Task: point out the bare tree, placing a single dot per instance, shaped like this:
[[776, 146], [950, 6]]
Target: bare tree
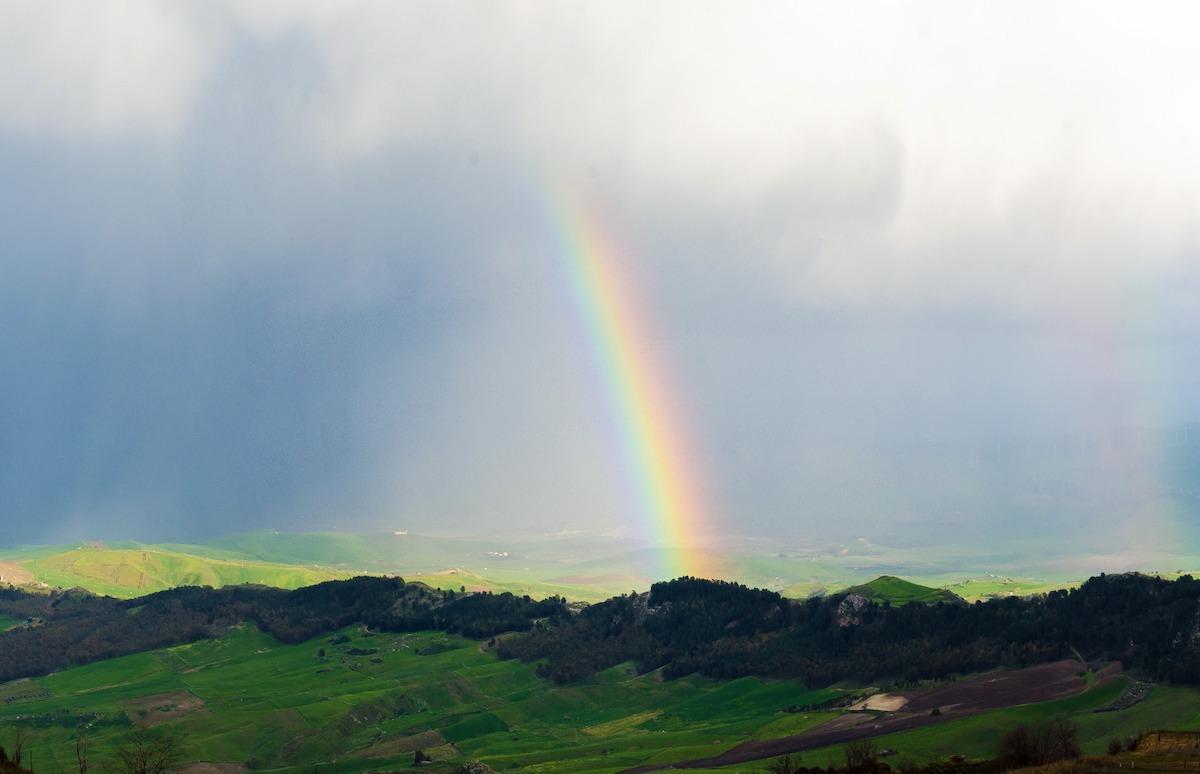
[[18, 745], [1036, 744], [786, 764], [859, 753], [146, 753], [81, 750]]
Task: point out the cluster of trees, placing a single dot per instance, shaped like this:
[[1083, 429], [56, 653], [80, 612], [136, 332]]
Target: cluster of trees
[[726, 630], [80, 628], [687, 625], [141, 752], [1038, 744]]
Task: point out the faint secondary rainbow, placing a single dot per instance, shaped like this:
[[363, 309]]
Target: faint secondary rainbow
[[657, 452]]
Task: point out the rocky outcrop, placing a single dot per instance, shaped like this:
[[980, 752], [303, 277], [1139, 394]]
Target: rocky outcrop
[[849, 610]]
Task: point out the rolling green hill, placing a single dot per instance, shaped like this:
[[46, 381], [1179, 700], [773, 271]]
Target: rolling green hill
[[374, 699], [579, 567], [131, 569], [289, 560], [129, 572], [897, 591]]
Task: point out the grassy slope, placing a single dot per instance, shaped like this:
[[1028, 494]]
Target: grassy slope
[[292, 560], [127, 572], [888, 588], [271, 703], [539, 569], [996, 586], [977, 737], [577, 567], [282, 707]]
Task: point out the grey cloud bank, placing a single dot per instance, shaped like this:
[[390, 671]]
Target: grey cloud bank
[[288, 265]]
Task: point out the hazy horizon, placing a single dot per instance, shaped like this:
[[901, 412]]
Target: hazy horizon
[[928, 273]]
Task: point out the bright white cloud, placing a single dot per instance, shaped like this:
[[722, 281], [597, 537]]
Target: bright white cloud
[[87, 71], [984, 146], [902, 139]]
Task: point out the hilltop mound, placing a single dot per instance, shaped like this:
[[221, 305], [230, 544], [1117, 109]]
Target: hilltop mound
[[897, 591]]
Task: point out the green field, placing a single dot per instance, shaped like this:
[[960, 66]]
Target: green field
[[294, 560], [245, 698], [977, 737], [992, 587], [582, 568], [129, 572]]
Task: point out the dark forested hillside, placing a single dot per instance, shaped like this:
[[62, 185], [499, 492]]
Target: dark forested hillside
[[727, 630], [687, 625], [71, 628]]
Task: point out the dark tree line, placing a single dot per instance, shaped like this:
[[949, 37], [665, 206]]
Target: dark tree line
[[74, 628], [727, 630], [683, 626]]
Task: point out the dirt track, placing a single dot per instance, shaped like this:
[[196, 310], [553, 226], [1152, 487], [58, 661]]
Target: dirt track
[[149, 711], [994, 690]]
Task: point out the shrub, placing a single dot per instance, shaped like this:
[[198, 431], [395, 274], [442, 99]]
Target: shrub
[[786, 764], [1036, 744], [859, 753]]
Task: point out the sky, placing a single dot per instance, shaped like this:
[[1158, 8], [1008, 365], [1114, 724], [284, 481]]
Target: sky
[[913, 268]]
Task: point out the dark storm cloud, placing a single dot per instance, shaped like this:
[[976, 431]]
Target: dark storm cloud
[[291, 265]]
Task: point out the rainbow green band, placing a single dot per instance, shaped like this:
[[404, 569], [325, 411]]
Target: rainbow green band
[[667, 487]]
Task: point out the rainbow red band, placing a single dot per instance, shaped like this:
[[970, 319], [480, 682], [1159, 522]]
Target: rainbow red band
[[669, 489]]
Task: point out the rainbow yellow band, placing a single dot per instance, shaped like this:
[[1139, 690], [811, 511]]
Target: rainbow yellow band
[[669, 490]]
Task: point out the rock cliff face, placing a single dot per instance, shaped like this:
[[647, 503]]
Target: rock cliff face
[[849, 610]]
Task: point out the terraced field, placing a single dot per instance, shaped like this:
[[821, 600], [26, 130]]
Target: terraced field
[[375, 699], [977, 736], [372, 700], [894, 715]]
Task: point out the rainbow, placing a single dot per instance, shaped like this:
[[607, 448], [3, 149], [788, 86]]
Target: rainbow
[[668, 488]]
